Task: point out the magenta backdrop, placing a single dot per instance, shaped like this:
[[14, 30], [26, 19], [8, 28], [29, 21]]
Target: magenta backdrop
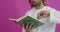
[[16, 9]]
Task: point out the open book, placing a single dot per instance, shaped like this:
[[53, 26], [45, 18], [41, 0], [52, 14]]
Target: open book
[[29, 19]]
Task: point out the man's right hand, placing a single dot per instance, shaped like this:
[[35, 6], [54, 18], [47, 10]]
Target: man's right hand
[[43, 14], [28, 27]]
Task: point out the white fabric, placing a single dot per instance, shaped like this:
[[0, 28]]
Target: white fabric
[[49, 22]]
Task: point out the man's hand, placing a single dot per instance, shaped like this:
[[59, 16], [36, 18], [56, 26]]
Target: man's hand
[[28, 27], [43, 14]]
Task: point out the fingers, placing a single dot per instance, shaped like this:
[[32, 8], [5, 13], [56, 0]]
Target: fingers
[[31, 26], [39, 15], [43, 14], [28, 26], [23, 25], [46, 14]]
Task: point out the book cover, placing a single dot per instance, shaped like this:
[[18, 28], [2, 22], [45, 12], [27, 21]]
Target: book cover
[[29, 19]]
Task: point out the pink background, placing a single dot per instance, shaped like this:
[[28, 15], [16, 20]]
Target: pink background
[[16, 9]]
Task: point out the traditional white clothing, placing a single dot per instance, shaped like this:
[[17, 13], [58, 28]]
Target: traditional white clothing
[[49, 22]]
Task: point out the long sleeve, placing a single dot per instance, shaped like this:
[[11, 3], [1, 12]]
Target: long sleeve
[[55, 16]]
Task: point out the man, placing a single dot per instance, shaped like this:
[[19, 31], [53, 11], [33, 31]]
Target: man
[[49, 16]]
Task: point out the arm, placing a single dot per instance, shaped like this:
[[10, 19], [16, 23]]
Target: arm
[[55, 16]]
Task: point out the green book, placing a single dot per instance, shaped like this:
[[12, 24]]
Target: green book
[[29, 19]]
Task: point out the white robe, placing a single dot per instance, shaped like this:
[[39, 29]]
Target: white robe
[[49, 22]]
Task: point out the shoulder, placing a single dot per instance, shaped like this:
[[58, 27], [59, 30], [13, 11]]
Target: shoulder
[[53, 10], [50, 8]]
